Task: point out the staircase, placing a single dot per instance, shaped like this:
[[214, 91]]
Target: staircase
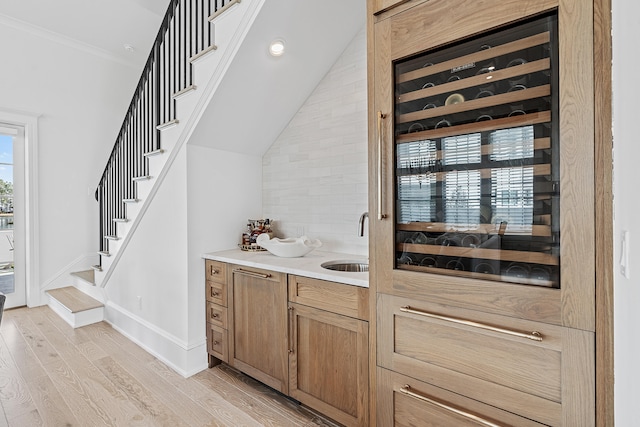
[[181, 74]]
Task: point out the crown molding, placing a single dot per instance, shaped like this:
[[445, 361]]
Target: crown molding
[[37, 31]]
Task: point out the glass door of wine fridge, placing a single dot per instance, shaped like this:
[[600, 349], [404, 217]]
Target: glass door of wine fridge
[[476, 157]]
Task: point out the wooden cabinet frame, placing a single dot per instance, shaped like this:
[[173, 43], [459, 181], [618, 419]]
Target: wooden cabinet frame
[[586, 301]]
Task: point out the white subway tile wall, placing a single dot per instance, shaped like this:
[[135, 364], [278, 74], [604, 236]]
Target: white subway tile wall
[[315, 173]]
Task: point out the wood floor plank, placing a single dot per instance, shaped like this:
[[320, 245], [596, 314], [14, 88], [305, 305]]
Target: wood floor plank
[[269, 397], [52, 374], [190, 410], [139, 394], [14, 393], [84, 385], [226, 413]]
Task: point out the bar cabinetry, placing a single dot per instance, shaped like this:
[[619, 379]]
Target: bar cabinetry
[[481, 198]]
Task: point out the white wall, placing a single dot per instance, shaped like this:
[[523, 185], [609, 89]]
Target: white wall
[[82, 99], [626, 93], [315, 173], [223, 191], [156, 295]]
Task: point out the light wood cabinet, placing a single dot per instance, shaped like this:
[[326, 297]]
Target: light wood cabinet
[[329, 345], [304, 337], [216, 314], [328, 363], [259, 338], [484, 279]]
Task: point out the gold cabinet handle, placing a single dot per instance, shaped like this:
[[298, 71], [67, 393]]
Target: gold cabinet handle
[[213, 271], [535, 335], [291, 319], [251, 273], [407, 390], [380, 119], [214, 315], [214, 293]]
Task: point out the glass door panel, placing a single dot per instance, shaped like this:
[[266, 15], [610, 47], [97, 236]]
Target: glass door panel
[[477, 159]]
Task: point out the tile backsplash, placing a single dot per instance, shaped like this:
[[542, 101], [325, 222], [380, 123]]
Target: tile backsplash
[[315, 173]]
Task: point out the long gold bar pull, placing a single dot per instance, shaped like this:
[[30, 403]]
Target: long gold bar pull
[[380, 119], [534, 336], [251, 273], [407, 390]]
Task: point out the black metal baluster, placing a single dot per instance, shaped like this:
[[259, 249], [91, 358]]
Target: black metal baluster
[[152, 105]]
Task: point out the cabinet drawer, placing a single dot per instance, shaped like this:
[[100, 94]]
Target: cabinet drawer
[[217, 293], [217, 342], [216, 271], [338, 298], [217, 315], [494, 365], [404, 401]]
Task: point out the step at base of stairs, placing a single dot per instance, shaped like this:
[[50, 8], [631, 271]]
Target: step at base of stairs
[[75, 307]]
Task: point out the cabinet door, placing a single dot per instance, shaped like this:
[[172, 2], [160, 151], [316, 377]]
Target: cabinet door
[[259, 325], [328, 363], [482, 148]]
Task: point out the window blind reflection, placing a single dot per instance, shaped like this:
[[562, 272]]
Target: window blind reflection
[[415, 201], [416, 155], [512, 197], [462, 149], [462, 198], [512, 144]]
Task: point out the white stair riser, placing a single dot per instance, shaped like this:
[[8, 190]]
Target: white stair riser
[[79, 319]]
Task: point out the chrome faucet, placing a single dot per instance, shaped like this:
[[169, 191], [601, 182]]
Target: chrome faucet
[[361, 223]]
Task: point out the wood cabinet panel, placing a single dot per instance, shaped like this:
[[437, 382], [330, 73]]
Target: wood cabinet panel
[[437, 22], [351, 301], [217, 315], [259, 325], [328, 363], [217, 343], [543, 380], [216, 271], [404, 401], [217, 293]]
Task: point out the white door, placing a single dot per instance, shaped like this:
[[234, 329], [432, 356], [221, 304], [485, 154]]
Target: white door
[[12, 235]]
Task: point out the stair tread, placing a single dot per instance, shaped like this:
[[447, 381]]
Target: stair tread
[[74, 300], [86, 275]]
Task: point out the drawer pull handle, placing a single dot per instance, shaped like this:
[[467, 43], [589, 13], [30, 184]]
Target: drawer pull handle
[[381, 117], [214, 293], [214, 271], [251, 273], [407, 390], [216, 343], [535, 335], [214, 315]]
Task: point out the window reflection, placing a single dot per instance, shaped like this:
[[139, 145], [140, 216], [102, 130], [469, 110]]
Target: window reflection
[[462, 198], [512, 198], [511, 144]]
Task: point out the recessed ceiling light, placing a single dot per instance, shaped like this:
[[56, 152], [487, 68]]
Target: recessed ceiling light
[[129, 48], [276, 48]]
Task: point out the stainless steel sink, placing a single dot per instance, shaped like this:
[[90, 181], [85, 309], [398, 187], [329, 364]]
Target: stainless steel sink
[[351, 266]]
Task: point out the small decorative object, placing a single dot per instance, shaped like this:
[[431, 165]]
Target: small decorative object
[[255, 227], [288, 248]]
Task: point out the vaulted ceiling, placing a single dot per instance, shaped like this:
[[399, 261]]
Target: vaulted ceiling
[[258, 96]]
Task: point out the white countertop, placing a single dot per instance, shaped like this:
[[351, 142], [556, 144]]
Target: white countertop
[[308, 265]]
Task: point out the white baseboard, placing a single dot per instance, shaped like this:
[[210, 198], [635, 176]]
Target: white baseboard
[[183, 358]]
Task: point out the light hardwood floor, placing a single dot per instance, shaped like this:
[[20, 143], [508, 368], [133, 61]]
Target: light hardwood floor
[[53, 375]]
